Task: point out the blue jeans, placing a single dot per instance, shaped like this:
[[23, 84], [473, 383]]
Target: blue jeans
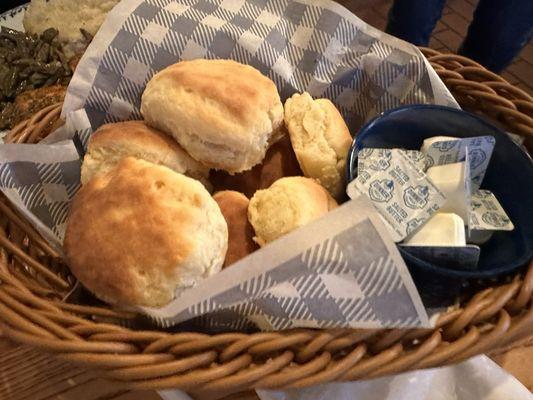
[[499, 30]]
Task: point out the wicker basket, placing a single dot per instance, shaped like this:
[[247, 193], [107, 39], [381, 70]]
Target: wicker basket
[[34, 285]]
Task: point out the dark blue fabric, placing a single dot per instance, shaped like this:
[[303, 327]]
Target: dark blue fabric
[[499, 30], [414, 20]]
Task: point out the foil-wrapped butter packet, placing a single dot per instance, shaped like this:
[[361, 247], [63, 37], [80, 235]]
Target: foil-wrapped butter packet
[[487, 213], [379, 159], [401, 193], [454, 150]]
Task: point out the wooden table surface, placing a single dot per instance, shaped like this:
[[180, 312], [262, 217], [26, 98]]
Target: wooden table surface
[[26, 374]]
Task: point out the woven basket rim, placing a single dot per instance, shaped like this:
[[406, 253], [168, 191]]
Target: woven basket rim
[[32, 287]]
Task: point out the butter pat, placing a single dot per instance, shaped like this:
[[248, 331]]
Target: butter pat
[[442, 229], [429, 141], [477, 149], [450, 180]]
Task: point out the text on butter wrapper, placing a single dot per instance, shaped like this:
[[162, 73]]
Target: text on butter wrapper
[[379, 159], [487, 213], [401, 193]]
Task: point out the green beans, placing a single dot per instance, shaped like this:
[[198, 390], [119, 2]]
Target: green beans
[[49, 35], [30, 61]]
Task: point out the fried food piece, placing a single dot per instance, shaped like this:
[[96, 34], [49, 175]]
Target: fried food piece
[[74, 61], [31, 101], [28, 103]]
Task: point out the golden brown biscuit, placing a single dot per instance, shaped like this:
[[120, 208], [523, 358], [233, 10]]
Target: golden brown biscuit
[[288, 204], [141, 232], [223, 113], [320, 139], [234, 207], [110, 143]]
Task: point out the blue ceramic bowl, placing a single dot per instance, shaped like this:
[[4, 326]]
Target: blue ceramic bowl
[[509, 176]]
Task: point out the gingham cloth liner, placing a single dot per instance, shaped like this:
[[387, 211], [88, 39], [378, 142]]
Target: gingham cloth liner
[[41, 180], [42, 188], [313, 305], [318, 47], [299, 46], [329, 285]]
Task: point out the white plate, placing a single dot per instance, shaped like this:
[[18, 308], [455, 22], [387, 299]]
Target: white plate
[[13, 18]]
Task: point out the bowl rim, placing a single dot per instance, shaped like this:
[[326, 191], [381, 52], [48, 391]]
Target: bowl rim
[[350, 175]]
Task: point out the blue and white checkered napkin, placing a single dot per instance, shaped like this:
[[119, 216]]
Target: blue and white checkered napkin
[[348, 275], [314, 46], [317, 46]]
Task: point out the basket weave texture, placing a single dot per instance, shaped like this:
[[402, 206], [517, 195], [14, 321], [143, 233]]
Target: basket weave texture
[[34, 285]]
